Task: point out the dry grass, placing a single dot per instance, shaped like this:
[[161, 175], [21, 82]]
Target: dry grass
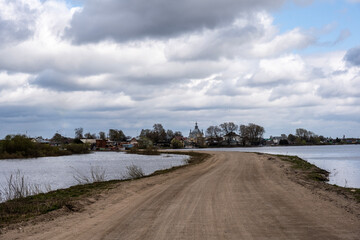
[[18, 187], [97, 174], [134, 172]]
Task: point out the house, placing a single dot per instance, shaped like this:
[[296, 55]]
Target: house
[[89, 141], [277, 139], [40, 140], [101, 144], [134, 142], [232, 139]]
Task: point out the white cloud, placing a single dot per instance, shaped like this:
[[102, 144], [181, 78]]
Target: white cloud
[[252, 36], [243, 70]]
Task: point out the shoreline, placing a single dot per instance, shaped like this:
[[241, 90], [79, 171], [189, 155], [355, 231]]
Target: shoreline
[[319, 188], [69, 197]]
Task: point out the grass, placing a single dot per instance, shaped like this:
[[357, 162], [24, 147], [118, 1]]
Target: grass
[[25, 208], [311, 171], [317, 174], [20, 209], [134, 172]]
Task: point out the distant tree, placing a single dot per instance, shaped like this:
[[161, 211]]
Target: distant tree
[[213, 133], [57, 138], [144, 142], [79, 133], [90, 136], [291, 138], [284, 142], [178, 134], [244, 134], [116, 135], [228, 127], [322, 138], [158, 134], [252, 133], [102, 135], [169, 135], [175, 143], [145, 133], [304, 136], [302, 133]]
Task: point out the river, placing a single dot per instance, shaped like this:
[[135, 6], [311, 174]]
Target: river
[[342, 161], [59, 172]]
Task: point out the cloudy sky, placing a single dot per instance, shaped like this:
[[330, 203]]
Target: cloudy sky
[[129, 64]]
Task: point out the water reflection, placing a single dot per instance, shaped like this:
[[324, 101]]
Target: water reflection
[[58, 172]]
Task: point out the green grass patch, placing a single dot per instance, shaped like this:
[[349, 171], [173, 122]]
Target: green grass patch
[[310, 170]]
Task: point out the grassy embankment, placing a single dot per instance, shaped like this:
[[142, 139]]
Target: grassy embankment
[[22, 209], [314, 173]]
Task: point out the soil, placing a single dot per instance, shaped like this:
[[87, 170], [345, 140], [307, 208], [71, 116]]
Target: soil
[[231, 195]]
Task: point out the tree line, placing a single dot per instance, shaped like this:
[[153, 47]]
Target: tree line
[[250, 134], [20, 146]]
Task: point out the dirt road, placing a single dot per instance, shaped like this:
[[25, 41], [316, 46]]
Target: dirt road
[[230, 196]]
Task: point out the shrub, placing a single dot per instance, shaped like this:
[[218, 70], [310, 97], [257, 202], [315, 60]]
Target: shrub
[[75, 148], [17, 187], [134, 172], [97, 174]]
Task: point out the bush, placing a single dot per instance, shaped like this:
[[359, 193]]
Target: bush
[[97, 174], [176, 144], [75, 148], [20, 146], [134, 172], [17, 187]]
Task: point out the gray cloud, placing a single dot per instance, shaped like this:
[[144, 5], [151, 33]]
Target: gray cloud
[[139, 19], [57, 81], [11, 31], [353, 56], [14, 30]]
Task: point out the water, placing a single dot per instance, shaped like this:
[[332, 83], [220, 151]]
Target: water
[[342, 161], [59, 172]]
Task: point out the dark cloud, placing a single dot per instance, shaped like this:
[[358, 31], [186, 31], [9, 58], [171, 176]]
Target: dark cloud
[[11, 32], [57, 81], [353, 56], [16, 30], [20, 28], [139, 19]]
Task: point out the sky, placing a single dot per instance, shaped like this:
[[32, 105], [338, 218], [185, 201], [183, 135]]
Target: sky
[[117, 64]]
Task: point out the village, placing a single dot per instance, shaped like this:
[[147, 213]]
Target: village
[[225, 135]]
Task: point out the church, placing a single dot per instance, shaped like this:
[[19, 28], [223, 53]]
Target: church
[[196, 137]]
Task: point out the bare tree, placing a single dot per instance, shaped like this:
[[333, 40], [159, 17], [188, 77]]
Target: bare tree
[[79, 133], [116, 135], [302, 133], [213, 133], [252, 133], [228, 127], [89, 135], [102, 135]]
